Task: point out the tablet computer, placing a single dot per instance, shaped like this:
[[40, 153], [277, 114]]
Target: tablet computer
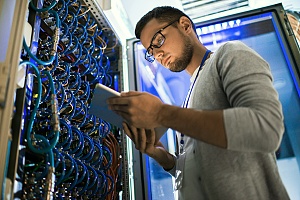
[[99, 107]]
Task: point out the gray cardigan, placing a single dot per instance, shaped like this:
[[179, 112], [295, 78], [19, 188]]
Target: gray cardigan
[[237, 80]]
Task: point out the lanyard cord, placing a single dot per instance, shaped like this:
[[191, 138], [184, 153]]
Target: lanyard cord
[[185, 105]]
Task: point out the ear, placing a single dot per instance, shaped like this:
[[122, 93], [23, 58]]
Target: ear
[[185, 24]]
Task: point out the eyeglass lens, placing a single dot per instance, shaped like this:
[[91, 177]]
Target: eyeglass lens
[[157, 41]]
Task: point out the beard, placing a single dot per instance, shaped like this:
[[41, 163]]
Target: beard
[[181, 63]]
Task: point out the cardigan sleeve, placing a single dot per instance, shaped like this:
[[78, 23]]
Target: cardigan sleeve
[[255, 120]]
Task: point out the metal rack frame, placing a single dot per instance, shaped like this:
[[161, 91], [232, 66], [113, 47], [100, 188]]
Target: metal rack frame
[[8, 77]]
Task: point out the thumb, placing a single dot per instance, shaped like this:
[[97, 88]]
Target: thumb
[[130, 93]]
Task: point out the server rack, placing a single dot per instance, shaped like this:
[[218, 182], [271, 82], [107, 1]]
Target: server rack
[[52, 147]]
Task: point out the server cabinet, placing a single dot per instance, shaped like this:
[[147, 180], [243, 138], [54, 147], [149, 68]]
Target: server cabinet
[[52, 147]]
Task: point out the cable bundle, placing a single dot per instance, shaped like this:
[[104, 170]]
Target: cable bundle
[[72, 155]]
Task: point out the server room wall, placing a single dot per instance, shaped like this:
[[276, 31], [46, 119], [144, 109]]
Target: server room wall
[[66, 153]]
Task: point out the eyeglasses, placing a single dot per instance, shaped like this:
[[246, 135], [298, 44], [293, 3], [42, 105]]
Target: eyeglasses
[[157, 41]]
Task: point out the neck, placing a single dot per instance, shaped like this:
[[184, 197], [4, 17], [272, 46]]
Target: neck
[[199, 52]]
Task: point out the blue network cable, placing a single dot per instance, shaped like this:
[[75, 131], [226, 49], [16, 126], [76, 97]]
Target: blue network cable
[[43, 9], [72, 140], [46, 149]]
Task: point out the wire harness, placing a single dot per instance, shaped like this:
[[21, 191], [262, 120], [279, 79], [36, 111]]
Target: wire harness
[[70, 153]]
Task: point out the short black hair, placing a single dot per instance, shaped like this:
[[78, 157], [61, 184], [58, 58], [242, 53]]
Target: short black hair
[[162, 14]]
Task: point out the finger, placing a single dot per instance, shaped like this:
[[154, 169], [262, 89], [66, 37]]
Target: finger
[[130, 93], [117, 101], [135, 136], [128, 118], [119, 108], [123, 111], [142, 139], [150, 134], [128, 131]]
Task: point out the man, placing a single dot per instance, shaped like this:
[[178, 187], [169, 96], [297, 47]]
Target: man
[[230, 124]]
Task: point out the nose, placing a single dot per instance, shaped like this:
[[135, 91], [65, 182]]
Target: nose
[[158, 54]]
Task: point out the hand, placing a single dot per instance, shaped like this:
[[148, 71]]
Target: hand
[[144, 140], [139, 109]]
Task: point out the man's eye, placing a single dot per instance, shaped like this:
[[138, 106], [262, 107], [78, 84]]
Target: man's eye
[[160, 40]]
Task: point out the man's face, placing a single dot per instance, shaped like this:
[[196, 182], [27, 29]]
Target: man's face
[[176, 51]]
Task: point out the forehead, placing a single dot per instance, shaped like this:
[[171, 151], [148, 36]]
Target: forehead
[[149, 30]]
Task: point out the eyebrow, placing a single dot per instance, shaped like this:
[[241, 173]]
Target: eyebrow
[[161, 30]]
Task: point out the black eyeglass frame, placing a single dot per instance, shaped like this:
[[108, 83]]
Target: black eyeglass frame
[[149, 56]]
